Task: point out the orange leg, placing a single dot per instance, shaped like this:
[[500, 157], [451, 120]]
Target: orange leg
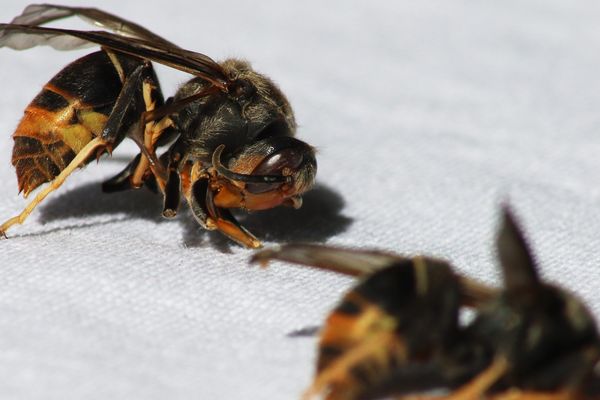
[[152, 132], [195, 184]]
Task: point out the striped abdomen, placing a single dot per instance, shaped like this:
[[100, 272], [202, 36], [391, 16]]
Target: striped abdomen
[[70, 111], [397, 315]]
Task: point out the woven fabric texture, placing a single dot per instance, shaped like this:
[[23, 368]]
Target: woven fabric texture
[[426, 116]]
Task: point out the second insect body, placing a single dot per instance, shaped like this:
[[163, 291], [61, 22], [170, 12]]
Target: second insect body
[[398, 332]]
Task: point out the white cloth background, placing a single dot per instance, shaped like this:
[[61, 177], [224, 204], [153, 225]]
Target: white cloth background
[[427, 115]]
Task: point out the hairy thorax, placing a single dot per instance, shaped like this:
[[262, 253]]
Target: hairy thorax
[[253, 110]]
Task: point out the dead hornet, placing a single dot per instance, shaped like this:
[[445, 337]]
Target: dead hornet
[[398, 333], [229, 130]]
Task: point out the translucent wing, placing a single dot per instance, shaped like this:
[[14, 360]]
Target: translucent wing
[[26, 36], [347, 261], [39, 14], [360, 262]]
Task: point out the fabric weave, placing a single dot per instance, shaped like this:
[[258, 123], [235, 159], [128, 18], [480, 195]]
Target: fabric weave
[[426, 116]]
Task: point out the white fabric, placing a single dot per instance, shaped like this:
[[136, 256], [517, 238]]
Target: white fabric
[[427, 115]]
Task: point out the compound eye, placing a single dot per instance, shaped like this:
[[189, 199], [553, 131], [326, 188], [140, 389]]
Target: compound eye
[[283, 162], [242, 89]]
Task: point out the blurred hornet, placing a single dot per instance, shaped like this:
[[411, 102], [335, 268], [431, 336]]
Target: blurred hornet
[[398, 334], [228, 133]]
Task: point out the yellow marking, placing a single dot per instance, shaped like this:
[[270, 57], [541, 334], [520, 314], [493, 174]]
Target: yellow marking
[[150, 137], [421, 278], [92, 120], [52, 126], [147, 88], [345, 331], [378, 348], [41, 124], [75, 136], [116, 63], [79, 159], [372, 320], [144, 163], [160, 126]]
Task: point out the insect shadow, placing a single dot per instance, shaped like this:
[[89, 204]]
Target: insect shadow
[[319, 218]]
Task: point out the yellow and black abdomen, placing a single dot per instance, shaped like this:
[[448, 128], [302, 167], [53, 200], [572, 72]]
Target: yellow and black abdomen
[[397, 315], [67, 114]]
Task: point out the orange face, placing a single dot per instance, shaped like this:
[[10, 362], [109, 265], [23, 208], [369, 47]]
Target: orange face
[[265, 175]]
